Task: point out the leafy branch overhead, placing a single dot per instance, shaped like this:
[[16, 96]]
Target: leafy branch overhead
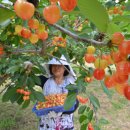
[[93, 35]]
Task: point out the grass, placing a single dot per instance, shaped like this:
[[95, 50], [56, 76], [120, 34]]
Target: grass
[[114, 113]]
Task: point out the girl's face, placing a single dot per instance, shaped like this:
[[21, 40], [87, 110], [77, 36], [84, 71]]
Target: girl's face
[[58, 70]]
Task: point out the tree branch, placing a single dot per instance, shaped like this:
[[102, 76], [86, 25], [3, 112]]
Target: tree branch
[[69, 33], [76, 37]]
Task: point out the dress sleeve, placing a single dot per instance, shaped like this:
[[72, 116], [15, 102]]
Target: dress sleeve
[[43, 79]]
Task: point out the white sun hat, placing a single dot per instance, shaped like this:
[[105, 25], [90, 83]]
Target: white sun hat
[[61, 61]]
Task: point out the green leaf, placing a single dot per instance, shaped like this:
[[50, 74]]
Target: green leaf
[[124, 18], [36, 70], [25, 104], [36, 79], [22, 80], [30, 83], [38, 96], [5, 14], [94, 10], [82, 118], [112, 28], [90, 115], [81, 109], [103, 121], [84, 126], [70, 100], [15, 97], [96, 127], [8, 94], [12, 69], [20, 100], [94, 101], [105, 89]]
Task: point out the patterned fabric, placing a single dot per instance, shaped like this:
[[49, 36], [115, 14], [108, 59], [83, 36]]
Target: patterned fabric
[[56, 121]]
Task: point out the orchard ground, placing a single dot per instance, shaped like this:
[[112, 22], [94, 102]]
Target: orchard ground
[[114, 114]]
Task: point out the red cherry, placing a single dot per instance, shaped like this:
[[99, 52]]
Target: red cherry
[[127, 92], [26, 33], [117, 38], [90, 58], [24, 9], [99, 74]]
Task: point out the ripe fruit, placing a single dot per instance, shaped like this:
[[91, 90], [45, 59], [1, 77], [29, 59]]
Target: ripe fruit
[[25, 98], [27, 93], [33, 23], [115, 10], [127, 91], [68, 5], [99, 74], [1, 50], [90, 58], [82, 100], [24, 9], [124, 48], [117, 38], [116, 56], [88, 79], [51, 101], [91, 49], [90, 127], [26, 33], [120, 78], [108, 58], [42, 35], [109, 82], [21, 91], [34, 38], [122, 68], [51, 14]]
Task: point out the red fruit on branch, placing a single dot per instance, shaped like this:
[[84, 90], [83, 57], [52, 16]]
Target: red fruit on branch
[[116, 56], [42, 35], [127, 91], [25, 33], [33, 23], [99, 74], [1, 48], [124, 48], [123, 68], [25, 98], [51, 13], [90, 58], [24, 9], [68, 5], [90, 127], [82, 100], [109, 82], [117, 38]]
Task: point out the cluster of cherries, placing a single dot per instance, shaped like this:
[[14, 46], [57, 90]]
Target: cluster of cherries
[[51, 101], [118, 57], [26, 94], [117, 10]]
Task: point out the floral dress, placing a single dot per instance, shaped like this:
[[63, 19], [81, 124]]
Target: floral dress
[[56, 121]]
